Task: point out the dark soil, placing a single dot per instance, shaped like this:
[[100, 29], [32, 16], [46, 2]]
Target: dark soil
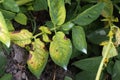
[[17, 67]]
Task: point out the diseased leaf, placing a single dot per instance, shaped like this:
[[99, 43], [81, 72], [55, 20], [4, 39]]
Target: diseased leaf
[[4, 34], [21, 18], [45, 38], [38, 58], [45, 30], [78, 37], [108, 9], [10, 5], [21, 38], [60, 49], [57, 11], [111, 52], [89, 15], [89, 64]]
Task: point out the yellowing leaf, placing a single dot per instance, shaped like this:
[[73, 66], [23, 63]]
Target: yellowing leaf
[[79, 40], [45, 38], [21, 38], [60, 49], [45, 30], [111, 50], [57, 11], [4, 34], [38, 58], [117, 36], [108, 9]]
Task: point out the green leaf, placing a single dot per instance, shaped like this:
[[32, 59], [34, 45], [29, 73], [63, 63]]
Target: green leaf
[[21, 38], [108, 9], [60, 49], [68, 1], [116, 71], [21, 18], [7, 14], [85, 75], [111, 52], [6, 77], [89, 64], [89, 15], [38, 58], [40, 5], [10, 5], [4, 34], [98, 36], [67, 78], [57, 11], [9, 25], [67, 26], [3, 62], [78, 37]]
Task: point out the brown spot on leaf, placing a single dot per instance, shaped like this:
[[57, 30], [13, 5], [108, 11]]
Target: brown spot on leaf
[[65, 38], [30, 56], [31, 62], [15, 32]]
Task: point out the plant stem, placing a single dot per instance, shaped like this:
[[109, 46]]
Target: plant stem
[[22, 2], [102, 62], [37, 35]]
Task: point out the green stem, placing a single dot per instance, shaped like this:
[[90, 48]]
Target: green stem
[[37, 35], [22, 2], [102, 63]]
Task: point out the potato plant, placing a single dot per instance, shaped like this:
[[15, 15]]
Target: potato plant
[[85, 32]]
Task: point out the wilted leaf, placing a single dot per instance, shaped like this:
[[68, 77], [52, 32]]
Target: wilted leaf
[[78, 37], [21, 38], [89, 64], [4, 34], [111, 52], [57, 11], [6, 77], [21, 18], [10, 5], [60, 49], [117, 36], [89, 15], [38, 58]]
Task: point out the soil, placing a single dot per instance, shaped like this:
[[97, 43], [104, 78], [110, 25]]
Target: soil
[[17, 67]]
